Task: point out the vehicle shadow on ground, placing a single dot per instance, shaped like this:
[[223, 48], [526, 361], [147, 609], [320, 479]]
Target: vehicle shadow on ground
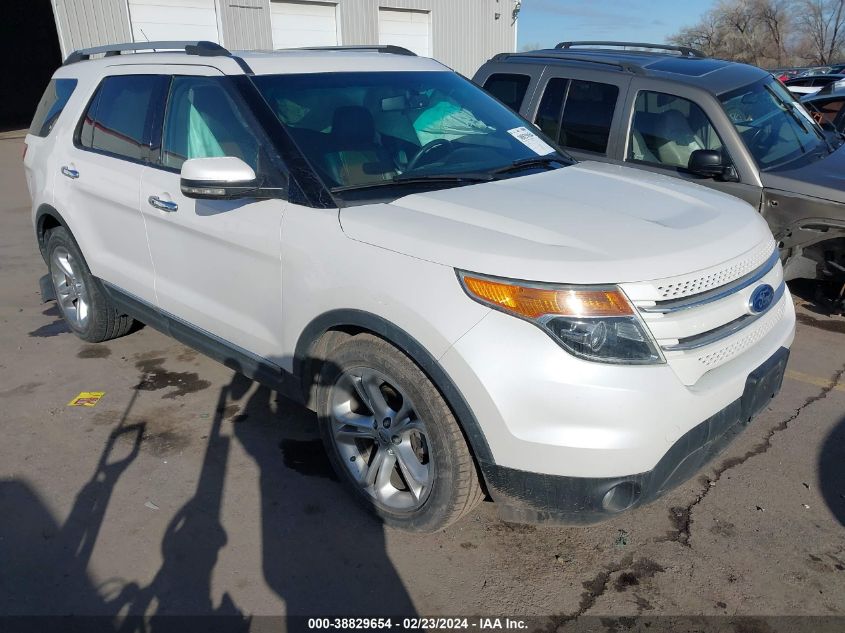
[[832, 471], [820, 297], [321, 554]]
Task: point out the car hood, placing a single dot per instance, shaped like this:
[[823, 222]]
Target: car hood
[[823, 178], [587, 223]]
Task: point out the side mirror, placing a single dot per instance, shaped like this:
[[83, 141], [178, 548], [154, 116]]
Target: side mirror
[[223, 178], [707, 163]]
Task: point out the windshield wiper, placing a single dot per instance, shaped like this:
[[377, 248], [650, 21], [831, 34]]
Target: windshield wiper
[[528, 163], [412, 179]]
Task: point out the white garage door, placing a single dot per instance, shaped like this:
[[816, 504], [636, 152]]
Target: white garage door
[[173, 20], [298, 24], [410, 29]]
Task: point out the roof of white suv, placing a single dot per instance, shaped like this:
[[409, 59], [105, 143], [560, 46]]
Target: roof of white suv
[[286, 61]]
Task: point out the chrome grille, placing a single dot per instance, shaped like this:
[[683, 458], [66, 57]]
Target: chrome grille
[[698, 283], [752, 335], [700, 331]]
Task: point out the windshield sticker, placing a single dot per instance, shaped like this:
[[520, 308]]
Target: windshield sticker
[[531, 141]]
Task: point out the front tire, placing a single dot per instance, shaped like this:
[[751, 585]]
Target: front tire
[[393, 439], [82, 301]]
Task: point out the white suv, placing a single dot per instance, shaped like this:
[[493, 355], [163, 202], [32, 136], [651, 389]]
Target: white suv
[[468, 311]]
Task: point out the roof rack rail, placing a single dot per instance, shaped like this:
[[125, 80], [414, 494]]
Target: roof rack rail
[[686, 51], [630, 68], [378, 48], [200, 48], [110, 50]]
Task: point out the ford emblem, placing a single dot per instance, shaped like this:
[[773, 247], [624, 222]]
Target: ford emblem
[[761, 299]]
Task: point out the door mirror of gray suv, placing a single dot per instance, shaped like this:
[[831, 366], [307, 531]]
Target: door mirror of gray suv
[[222, 178], [709, 163]]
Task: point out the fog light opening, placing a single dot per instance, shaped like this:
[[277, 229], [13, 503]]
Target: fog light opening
[[621, 496]]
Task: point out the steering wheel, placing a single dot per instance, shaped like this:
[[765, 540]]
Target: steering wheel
[[425, 150], [764, 137]]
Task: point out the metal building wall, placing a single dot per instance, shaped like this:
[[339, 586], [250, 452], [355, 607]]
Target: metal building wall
[[246, 24], [464, 33], [84, 23]]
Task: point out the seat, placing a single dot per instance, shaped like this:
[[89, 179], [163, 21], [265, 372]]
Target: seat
[[676, 139], [355, 155]]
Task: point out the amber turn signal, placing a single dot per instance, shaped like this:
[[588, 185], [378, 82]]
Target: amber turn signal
[[531, 302]]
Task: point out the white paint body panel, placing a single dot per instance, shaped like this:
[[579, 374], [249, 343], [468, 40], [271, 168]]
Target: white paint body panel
[[803, 91], [409, 29], [297, 24], [588, 223], [545, 411]]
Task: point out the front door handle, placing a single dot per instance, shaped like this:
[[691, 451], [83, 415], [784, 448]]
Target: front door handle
[[164, 205], [70, 173]]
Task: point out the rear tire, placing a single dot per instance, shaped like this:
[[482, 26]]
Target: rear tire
[[392, 438], [81, 298]]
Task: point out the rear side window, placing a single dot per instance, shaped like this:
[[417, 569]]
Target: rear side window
[[578, 114], [118, 120], [52, 103], [507, 88]]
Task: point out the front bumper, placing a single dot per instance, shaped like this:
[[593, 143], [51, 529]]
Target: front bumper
[[528, 497]]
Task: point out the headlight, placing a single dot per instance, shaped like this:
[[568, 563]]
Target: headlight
[[597, 323]]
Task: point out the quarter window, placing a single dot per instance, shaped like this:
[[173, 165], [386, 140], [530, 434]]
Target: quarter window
[[508, 88], [203, 121], [53, 101], [118, 119], [666, 130], [578, 114]]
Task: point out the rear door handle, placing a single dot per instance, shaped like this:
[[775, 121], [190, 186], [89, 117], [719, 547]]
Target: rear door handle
[[70, 173], [164, 205]]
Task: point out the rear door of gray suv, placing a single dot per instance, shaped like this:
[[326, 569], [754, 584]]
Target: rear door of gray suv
[[580, 109]]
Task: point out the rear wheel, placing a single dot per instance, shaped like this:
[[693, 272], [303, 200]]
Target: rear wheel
[[82, 301], [392, 437]]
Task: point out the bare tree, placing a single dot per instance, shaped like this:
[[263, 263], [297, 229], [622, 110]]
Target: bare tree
[[770, 32], [775, 18]]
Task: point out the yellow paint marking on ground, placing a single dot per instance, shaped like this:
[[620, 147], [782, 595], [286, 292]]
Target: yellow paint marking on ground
[[812, 380], [86, 399]]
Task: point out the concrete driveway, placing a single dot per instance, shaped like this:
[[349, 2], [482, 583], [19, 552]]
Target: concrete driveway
[[190, 490]]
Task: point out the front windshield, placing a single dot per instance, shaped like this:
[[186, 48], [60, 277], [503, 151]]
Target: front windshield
[[365, 129], [775, 127]]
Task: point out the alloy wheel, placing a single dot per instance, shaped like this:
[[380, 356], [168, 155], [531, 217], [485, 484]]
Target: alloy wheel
[[381, 440], [71, 292]]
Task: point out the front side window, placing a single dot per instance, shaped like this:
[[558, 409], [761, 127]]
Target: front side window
[[774, 126], [666, 130], [508, 88], [364, 129], [119, 116], [577, 113], [204, 120], [53, 101]]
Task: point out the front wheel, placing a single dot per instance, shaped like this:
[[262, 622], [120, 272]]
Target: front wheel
[[393, 439]]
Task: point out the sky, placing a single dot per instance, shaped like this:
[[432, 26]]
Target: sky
[[544, 23]]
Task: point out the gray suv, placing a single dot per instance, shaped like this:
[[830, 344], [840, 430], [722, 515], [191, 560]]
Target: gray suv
[[672, 110]]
